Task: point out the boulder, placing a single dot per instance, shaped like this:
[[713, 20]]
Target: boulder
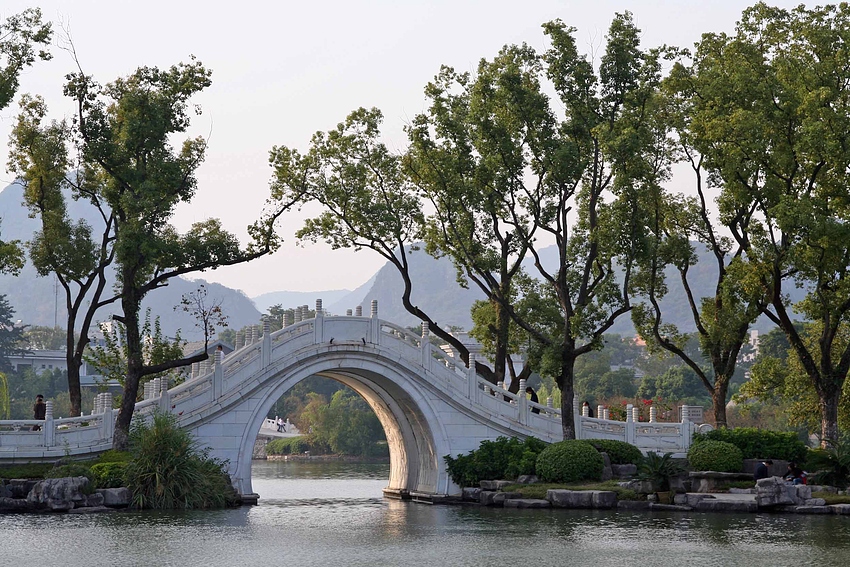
[[471, 494], [570, 498], [58, 494], [94, 500], [774, 491], [604, 499], [492, 498], [4, 490], [842, 509], [13, 504], [116, 497], [494, 484], [814, 502], [20, 487], [528, 479], [624, 471], [527, 503]]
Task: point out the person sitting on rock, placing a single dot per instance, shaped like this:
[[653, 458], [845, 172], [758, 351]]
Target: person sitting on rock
[[795, 474], [762, 470]]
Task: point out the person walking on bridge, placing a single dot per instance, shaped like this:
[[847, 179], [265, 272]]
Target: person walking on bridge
[[530, 390]]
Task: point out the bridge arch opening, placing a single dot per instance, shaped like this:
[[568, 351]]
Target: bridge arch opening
[[416, 438]]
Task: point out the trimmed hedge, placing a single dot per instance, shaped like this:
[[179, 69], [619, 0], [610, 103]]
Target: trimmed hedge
[[504, 458], [759, 443], [717, 456], [287, 446], [570, 461], [620, 452]]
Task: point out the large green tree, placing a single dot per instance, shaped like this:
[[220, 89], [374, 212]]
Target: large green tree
[[125, 131], [22, 39], [770, 114]]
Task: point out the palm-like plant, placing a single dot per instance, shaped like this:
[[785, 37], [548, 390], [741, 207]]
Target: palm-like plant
[[659, 469], [832, 464]]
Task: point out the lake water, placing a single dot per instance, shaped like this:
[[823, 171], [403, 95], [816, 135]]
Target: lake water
[[334, 514]]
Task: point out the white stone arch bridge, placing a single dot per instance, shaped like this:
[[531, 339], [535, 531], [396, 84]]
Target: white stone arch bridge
[[429, 404]]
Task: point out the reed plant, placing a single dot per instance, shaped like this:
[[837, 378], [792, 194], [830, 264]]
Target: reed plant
[[170, 471]]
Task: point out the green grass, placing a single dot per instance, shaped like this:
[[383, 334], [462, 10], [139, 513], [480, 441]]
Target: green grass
[[539, 490], [832, 498], [29, 470]]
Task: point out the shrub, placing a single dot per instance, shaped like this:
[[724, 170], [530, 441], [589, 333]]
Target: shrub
[[499, 459], [759, 443], [620, 452], [287, 446], [570, 461], [170, 471], [109, 475], [716, 456]]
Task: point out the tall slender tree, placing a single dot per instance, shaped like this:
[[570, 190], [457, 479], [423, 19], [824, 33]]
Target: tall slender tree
[[770, 113]]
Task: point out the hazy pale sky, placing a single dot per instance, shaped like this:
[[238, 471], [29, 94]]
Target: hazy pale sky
[[283, 70]]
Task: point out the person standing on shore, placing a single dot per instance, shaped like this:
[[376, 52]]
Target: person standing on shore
[[39, 411]]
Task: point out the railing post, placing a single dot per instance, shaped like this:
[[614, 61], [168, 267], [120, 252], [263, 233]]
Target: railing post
[[107, 426], [425, 346], [266, 347], [358, 311], [522, 404], [472, 380], [600, 410], [653, 414], [376, 325], [165, 397], [218, 376], [635, 414], [630, 425], [576, 418], [685, 430], [49, 429], [318, 324]]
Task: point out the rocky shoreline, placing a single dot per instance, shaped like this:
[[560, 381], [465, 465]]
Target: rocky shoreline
[[70, 495], [772, 495]]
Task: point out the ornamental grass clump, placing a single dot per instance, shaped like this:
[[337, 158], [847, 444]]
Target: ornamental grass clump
[[570, 461], [170, 471]]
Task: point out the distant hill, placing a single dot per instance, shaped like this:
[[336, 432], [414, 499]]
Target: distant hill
[[437, 292], [40, 301]]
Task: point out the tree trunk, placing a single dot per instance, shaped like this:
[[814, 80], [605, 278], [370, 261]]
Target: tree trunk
[[718, 400], [565, 384], [73, 364], [130, 305], [829, 414]]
